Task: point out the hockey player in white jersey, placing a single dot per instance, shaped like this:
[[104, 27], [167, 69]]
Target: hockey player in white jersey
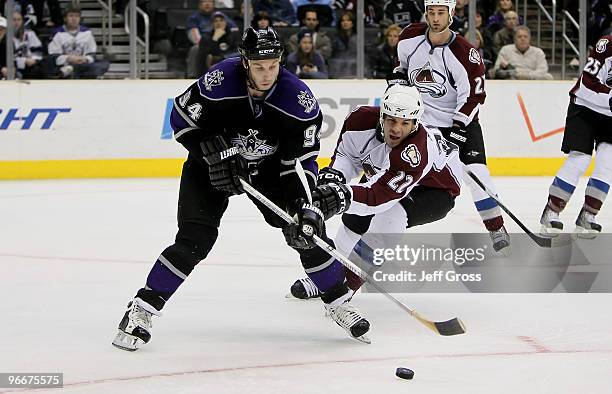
[[411, 174], [450, 74], [588, 125]]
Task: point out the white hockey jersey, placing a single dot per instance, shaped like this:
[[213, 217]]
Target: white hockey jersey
[[593, 88], [423, 158], [80, 42], [450, 77]]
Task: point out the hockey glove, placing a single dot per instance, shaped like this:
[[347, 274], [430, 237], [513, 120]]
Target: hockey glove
[[331, 199], [225, 165], [398, 77], [309, 223], [330, 175]]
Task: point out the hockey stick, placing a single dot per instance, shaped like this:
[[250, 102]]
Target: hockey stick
[[541, 241], [446, 328]]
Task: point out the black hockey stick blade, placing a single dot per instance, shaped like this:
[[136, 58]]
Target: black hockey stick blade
[[450, 327], [446, 328]]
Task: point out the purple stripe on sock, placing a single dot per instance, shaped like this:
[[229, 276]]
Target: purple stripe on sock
[[162, 280], [328, 277]]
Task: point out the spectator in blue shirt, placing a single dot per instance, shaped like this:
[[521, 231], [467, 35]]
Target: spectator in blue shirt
[[281, 11], [198, 24]]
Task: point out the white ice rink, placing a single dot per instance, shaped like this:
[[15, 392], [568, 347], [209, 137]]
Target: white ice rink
[[73, 253]]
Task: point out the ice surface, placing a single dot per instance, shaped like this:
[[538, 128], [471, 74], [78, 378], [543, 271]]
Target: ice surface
[[72, 253]]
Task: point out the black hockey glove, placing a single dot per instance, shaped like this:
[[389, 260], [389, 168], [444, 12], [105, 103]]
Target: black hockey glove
[[330, 175], [309, 222], [398, 77], [331, 199], [225, 165], [456, 134]]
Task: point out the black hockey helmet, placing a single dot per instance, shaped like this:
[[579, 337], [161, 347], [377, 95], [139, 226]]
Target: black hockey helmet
[[260, 44]]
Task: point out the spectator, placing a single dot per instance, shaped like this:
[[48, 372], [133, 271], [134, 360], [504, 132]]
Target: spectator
[[373, 13], [217, 45], [55, 13], [321, 41], [521, 60], [72, 49], [323, 8], [281, 11], [261, 20], [461, 17], [25, 8], [383, 58], [306, 62], [496, 21], [485, 52], [3, 69], [343, 63], [199, 23], [28, 50], [505, 36], [239, 19], [403, 12]]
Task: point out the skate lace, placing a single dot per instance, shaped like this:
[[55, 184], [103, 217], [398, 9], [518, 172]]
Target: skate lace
[[550, 216], [140, 316], [345, 315], [310, 287]]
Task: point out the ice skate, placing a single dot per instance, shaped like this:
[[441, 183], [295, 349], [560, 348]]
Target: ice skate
[[135, 327], [304, 289], [551, 225], [501, 241], [349, 318], [586, 226]]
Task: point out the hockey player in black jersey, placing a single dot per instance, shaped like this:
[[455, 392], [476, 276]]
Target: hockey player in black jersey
[[245, 118]]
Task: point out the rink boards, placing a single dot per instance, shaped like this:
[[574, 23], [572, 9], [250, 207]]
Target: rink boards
[[99, 129]]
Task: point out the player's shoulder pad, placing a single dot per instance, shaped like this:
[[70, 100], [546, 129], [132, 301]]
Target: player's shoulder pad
[[224, 80], [603, 47], [413, 30], [467, 55], [412, 154], [364, 117], [293, 97]]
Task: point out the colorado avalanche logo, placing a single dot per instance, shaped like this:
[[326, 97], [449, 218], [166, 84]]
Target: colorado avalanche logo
[[601, 45], [369, 169], [212, 79], [429, 81], [251, 147], [411, 155], [307, 101], [474, 56]]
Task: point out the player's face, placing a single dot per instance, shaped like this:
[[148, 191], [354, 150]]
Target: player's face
[[396, 130], [438, 18], [264, 72]]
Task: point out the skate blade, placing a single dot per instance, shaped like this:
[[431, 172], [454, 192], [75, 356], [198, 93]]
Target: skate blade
[[127, 342], [550, 232], [290, 296], [363, 338], [584, 233]]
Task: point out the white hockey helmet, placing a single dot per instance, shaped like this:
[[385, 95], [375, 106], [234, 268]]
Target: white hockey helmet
[[401, 101], [447, 3]]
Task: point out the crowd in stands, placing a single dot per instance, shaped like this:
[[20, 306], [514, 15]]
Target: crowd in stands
[[320, 35]]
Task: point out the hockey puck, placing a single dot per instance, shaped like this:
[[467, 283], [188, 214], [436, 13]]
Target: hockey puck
[[404, 373]]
